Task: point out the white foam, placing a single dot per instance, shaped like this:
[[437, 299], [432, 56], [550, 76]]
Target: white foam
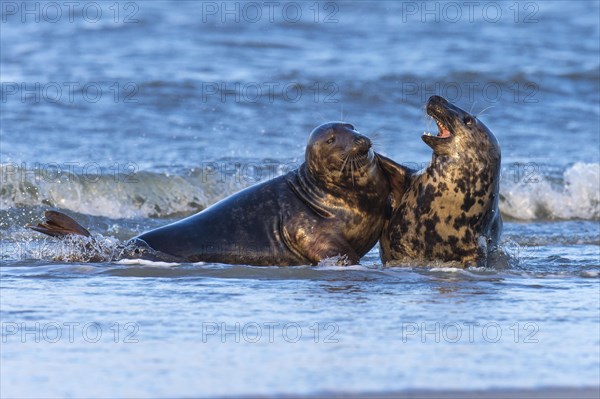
[[144, 195], [342, 268], [578, 197], [144, 262], [447, 269]]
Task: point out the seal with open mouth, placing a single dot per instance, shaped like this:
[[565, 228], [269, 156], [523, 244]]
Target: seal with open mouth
[[449, 211], [333, 205]]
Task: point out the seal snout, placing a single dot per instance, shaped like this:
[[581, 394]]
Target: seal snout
[[362, 141], [437, 100], [361, 144], [437, 107]]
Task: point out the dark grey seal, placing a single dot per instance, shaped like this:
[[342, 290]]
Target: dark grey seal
[[449, 210], [333, 205]]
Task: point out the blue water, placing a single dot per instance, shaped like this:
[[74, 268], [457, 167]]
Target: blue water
[[133, 119]]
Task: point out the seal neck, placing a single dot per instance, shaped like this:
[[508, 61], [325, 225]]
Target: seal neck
[[453, 169], [307, 188]]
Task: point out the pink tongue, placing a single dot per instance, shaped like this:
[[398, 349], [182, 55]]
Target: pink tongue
[[444, 133]]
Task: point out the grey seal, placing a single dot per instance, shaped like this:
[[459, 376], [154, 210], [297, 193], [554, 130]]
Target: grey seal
[[333, 205], [449, 210]]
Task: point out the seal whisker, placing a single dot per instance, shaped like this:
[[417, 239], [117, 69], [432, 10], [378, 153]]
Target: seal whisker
[[352, 170], [374, 137], [344, 163], [359, 161], [472, 106], [358, 164], [483, 110]]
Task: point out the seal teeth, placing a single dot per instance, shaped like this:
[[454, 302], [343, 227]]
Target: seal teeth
[[444, 132]]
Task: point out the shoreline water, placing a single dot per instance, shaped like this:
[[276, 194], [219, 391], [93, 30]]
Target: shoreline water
[[505, 393]]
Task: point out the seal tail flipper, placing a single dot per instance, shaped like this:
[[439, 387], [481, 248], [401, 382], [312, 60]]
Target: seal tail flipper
[[58, 224]]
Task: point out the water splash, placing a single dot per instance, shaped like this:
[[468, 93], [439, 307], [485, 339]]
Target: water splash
[[576, 196]]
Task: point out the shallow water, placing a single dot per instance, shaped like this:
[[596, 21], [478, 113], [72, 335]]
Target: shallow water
[[195, 106]]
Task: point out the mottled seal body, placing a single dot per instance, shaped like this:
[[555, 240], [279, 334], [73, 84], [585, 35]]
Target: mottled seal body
[[449, 211], [333, 205]]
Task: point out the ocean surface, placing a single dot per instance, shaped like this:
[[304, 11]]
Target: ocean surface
[[130, 115]]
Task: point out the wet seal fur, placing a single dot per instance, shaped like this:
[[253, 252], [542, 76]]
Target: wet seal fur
[[449, 211], [333, 205]]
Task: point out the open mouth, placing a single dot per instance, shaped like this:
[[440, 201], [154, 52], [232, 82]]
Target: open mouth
[[443, 131]]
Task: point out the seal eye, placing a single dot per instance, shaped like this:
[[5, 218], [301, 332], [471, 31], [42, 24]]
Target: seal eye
[[331, 140], [469, 120]]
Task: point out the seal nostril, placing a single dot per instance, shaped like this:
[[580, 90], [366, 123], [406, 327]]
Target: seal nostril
[[362, 141]]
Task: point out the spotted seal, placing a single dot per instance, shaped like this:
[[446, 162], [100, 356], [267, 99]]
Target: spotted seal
[[449, 210]]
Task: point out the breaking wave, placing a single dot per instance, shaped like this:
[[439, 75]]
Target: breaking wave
[[137, 195], [573, 193]]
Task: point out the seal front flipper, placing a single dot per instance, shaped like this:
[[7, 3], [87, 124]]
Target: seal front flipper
[[58, 224], [332, 247], [398, 177]]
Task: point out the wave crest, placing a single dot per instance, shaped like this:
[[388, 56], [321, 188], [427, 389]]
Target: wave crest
[[142, 194], [574, 196]]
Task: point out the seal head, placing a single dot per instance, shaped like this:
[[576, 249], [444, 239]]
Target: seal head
[[342, 182], [460, 134], [338, 158]]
